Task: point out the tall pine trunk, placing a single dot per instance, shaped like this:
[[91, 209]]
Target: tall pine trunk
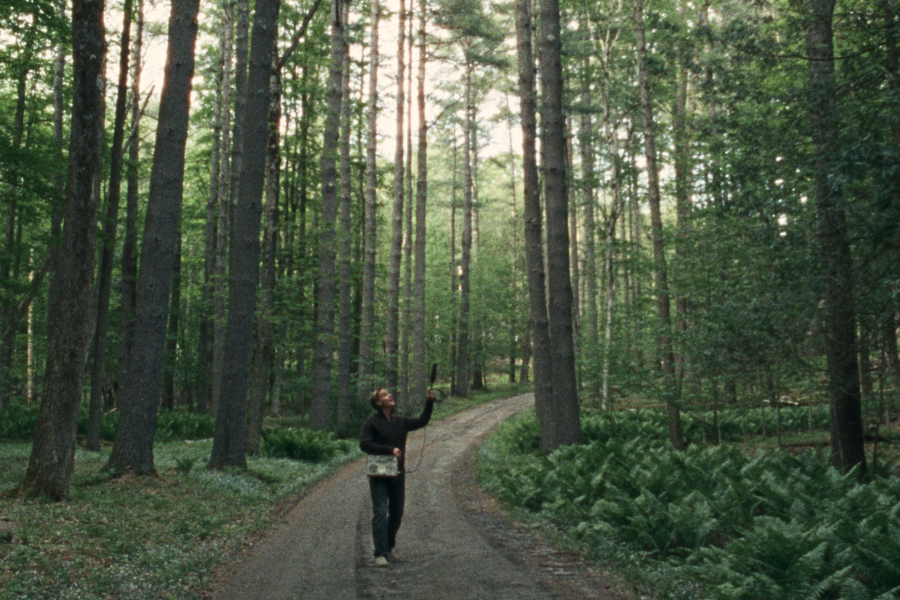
[[345, 306], [462, 343], [253, 124], [567, 427], [110, 225], [837, 263], [393, 303], [129, 245], [264, 351], [419, 372], [204, 351], [69, 316], [661, 276], [534, 254], [367, 311], [220, 281], [589, 300], [133, 446], [320, 416]]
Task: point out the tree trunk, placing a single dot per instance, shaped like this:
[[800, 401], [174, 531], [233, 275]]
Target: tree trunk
[[133, 446], [6, 275], [220, 282], [207, 320], [104, 286], [253, 116], [345, 239], [567, 428], [263, 354], [534, 255], [69, 315], [365, 384], [419, 375], [462, 343], [171, 355], [661, 278], [589, 301], [320, 417], [840, 317], [129, 256], [682, 156], [393, 303], [406, 330]]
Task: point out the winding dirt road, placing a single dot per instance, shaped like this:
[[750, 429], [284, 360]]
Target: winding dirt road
[[455, 543]]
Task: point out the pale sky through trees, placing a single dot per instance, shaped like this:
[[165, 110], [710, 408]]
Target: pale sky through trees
[[156, 17]]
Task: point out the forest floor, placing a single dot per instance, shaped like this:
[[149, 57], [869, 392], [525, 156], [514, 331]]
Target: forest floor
[[456, 542]]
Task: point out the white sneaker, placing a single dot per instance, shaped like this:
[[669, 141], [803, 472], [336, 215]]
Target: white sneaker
[[381, 561]]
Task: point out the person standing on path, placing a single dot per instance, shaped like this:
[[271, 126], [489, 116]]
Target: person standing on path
[[385, 434]]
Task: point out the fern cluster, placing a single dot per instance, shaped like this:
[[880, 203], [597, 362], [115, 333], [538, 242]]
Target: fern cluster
[[773, 526], [302, 444]]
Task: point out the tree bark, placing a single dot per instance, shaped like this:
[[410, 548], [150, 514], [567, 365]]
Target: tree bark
[[253, 116], [129, 244], [534, 254], [837, 263], [567, 428], [69, 316], [661, 277], [320, 416], [207, 321], [110, 224], [220, 281], [462, 343], [365, 384], [589, 318], [406, 324], [419, 374], [345, 306], [133, 446], [264, 352], [171, 355], [393, 303]]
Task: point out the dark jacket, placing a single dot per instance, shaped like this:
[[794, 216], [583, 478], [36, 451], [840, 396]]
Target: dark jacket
[[381, 435]]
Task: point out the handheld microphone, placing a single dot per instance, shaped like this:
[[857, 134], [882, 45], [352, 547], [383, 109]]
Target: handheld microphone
[[434, 378]]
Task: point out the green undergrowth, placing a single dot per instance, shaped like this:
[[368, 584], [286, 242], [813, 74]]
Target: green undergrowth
[[143, 538], [710, 522], [136, 538], [18, 421]]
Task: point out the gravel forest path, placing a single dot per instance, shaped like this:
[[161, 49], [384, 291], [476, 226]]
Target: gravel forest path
[[455, 543]]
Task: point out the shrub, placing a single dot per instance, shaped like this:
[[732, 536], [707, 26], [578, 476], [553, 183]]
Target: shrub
[[302, 444]]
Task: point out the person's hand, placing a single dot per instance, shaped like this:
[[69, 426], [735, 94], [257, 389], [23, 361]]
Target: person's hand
[[431, 397], [398, 453]]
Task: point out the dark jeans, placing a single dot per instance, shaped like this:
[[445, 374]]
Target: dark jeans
[[388, 496]]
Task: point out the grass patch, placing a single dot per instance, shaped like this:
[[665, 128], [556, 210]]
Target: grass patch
[[140, 538]]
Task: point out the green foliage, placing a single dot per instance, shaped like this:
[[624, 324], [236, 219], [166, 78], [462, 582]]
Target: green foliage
[[772, 526], [303, 444], [140, 538], [174, 425], [18, 421]]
